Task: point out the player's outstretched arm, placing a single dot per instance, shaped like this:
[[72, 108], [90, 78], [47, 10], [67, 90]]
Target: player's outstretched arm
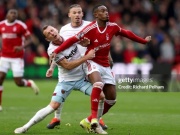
[[69, 42], [132, 36]]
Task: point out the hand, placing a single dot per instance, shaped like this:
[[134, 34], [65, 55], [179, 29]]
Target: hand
[[148, 38], [49, 72], [84, 42], [51, 57], [18, 48], [90, 54]]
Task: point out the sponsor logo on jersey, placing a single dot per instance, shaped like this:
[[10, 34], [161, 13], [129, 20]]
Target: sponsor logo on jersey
[[9, 35], [101, 47], [72, 53]]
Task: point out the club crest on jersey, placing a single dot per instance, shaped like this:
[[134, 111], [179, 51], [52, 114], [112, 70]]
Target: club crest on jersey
[[3, 29], [107, 36], [14, 29]]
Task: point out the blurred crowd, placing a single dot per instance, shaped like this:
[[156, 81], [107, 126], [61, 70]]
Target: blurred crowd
[[160, 19]]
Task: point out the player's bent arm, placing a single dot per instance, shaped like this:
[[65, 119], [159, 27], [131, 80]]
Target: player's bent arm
[[53, 65], [75, 63], [50, 71]]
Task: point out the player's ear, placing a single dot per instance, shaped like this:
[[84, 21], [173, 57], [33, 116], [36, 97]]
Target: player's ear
[[95, 15], [69, 15]]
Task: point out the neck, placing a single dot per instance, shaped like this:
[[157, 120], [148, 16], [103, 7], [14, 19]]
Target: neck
[[57, 42], [101, 23], [74, 24]]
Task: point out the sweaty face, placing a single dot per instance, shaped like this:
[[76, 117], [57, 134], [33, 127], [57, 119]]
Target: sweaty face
[[102, 13], [76, 15], [12, 15], [51, 33]]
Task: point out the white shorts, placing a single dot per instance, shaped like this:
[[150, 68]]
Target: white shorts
[[15, 64], [105, 72]]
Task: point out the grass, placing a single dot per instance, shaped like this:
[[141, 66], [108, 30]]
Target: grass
[[135, 113]]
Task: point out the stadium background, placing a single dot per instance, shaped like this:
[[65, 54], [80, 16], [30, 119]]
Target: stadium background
[[135, 113], [160, 19]]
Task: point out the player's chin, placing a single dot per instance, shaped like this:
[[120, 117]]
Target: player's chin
[[106, 20]]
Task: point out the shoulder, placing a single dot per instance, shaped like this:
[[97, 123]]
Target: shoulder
[[2, 22], [112, 24], [51, 48], [86, 22], [67, 26], [21, 24], [90, 26]]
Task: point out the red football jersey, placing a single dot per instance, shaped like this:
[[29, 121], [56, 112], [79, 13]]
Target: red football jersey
[[13, 34], [100, 39]]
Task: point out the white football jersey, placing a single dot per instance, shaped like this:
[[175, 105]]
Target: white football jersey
[[68, 31], [72, 53]]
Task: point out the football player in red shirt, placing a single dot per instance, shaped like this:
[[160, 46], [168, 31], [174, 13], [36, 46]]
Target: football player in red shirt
[[14, 33], [100, 33]]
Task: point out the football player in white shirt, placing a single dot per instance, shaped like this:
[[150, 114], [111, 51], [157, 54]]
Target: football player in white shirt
[[67, 31], [71, 76]]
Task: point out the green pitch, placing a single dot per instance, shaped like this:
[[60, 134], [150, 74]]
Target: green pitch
[[135, 113]]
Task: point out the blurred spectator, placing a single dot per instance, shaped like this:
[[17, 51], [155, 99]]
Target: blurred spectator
[[143, 17], [29, 56], [177, 50], [117, 50], [41, 58], [129, 53], [154, 49], [166, 51]]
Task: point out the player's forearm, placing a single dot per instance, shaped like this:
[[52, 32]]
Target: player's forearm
[[66, 44], [110, 60], [53, 65], [27, 42], [73, 64], [132, 36]]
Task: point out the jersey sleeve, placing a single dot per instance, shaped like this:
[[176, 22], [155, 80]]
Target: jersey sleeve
[[59, 57], [51, 48], [84, 32], [25, 31], [117, 29], [128, 34]]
